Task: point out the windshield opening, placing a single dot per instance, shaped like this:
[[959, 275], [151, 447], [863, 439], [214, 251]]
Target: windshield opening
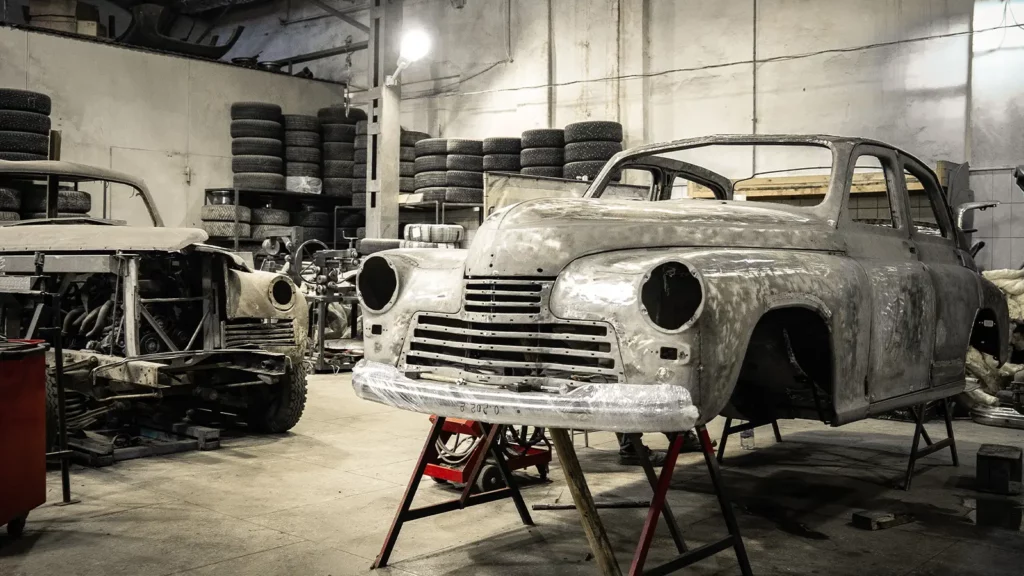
[[792, 174]]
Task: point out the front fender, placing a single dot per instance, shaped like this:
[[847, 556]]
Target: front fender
[[429, 280], [740, 286]]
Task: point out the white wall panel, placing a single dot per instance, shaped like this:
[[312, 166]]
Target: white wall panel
[[13, 58]]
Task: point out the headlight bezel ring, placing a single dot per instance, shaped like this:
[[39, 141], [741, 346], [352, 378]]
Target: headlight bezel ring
[[374, 261]]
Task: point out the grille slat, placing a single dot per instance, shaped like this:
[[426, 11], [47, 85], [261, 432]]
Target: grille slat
[[248, 333], [455, 359], [503, 296]]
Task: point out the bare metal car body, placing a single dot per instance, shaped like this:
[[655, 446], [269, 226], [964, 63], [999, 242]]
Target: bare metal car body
[[152, 316], [796, 312]]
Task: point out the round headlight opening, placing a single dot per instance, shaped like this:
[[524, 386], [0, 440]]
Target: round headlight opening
[[671, 295], [281, 291], [377, 283]]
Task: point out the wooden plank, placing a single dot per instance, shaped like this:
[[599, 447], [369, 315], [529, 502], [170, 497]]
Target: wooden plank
[[596, 535], [802, 186]]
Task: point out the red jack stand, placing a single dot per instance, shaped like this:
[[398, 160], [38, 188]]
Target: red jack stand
[[428, 456], [519, 455]]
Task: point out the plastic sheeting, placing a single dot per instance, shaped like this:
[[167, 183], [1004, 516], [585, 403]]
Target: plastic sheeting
[[614, 407], [303, 184]]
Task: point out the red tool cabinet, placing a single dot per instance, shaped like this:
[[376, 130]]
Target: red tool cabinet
[[22, 430]]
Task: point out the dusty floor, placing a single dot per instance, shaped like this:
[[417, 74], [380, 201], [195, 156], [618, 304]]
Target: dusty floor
[[318, 501]]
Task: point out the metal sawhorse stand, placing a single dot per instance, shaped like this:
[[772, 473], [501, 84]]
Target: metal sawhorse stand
[[598, 537], [919, 432], [730, 429]]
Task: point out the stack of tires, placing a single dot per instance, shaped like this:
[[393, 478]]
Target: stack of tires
[[219, 221], [315, 225], [256, 147], [339, 134], [450, 170], [588, 147], [24, 125], [406, 158], [70, 203], [502, 154], [543, 152], [302, 153]]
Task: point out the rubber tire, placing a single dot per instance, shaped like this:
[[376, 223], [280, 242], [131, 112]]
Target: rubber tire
[[338, 168], [269, 216], [406, 184], [590, 169], [360, 232], [593, 150], [302, 154], [548, 171], [21, 156], [9, 216], [443, 146], [352, 220], [336, 115], [300, 122], [368, 246], [593, 130], [302, 139], [530, 157], [358, 198], [256, 129], [25, 100], [10, 199], [338, 187], [543, 138], [361, 127], [278, 408], [258, 181], [226, 229], [311, 219], [339, 151], [71, 201], [361, 142], [316, 233], [464, 195], [339, 133], [465, 179], [262, 231], [257, 147], [302, 169], [262, 164], [255, 111], [502, 146], [30, 142], [501, 162], [406, 169], [21, 121], [433, 179], [433, 193], [359, 156], [359, 170], [224, 213], [407, 154], [359, 185], [410, 138], [435, 163]]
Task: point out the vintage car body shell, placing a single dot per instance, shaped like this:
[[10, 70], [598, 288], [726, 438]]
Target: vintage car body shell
[[899, 308]]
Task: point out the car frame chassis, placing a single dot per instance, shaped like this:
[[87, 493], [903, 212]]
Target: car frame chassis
[[155, 324]]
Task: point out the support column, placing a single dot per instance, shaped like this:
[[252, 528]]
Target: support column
[[384, 124]]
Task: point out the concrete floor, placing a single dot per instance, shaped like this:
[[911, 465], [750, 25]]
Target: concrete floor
[[318, 501]]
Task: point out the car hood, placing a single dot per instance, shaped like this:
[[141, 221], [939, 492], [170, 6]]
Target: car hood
[[540, 237]]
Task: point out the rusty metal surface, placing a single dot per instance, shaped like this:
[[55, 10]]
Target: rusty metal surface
[[899, 304], [249, 296], [90, 238]]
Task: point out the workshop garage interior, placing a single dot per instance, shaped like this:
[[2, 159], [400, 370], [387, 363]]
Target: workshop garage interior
[[511, 287]]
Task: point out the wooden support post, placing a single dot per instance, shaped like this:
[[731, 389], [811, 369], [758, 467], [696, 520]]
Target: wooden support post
[[596, 535]]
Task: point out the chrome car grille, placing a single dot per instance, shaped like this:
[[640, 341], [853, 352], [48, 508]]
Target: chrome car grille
[[255, 332], [497, 351]]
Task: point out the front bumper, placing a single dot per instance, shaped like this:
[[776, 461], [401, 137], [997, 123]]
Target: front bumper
[[614, 407]]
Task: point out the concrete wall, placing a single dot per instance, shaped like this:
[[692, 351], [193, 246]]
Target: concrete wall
[[163, 118]]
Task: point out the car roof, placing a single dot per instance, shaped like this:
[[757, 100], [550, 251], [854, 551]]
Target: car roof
[[95, 238]]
